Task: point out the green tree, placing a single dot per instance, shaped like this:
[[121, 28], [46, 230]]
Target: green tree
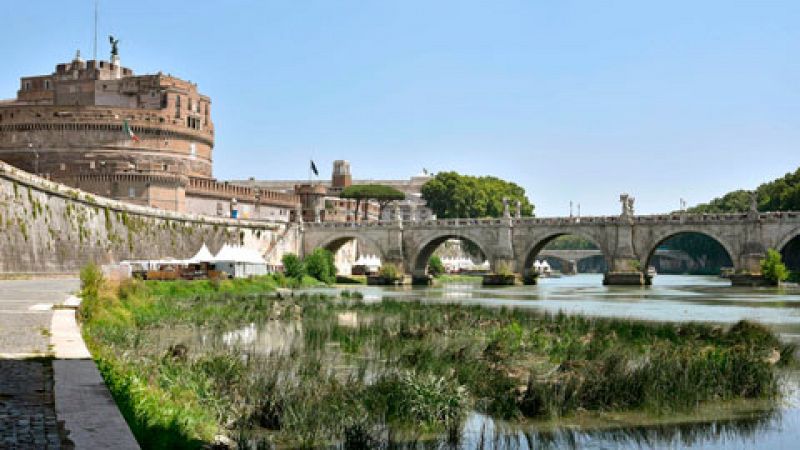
[[365, 192], [772, 268], [435, 266], [320, 265], [292, 266], [782, 194], [452, 195]]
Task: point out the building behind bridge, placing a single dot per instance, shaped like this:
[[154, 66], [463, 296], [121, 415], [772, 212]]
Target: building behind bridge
[[72, 126], [322, 202]]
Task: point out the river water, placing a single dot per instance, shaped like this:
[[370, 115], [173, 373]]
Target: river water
[[671, 298]]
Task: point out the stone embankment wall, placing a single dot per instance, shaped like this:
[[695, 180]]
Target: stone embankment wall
[[46, 227]]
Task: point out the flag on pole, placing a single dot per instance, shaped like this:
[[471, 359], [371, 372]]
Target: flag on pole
[[129, 132], [314, 168]]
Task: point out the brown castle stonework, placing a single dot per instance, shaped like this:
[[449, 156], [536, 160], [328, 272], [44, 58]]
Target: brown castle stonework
[[69, 126]]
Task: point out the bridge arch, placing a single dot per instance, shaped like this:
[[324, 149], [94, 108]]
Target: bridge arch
[[335, 243], [787, 238], [649, 251], [789, 247], [528, 256], [419, 258]]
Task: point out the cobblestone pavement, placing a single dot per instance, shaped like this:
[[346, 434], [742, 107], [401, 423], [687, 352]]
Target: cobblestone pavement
[[27, 407]]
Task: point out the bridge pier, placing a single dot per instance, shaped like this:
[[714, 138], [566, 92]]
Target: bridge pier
[[421, 278], [625, 271]]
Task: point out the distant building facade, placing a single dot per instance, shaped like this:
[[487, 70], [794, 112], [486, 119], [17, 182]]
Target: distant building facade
[[321, 200], [145, 139]]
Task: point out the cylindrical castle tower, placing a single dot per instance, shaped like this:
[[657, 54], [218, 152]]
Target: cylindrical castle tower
[[96, 119]]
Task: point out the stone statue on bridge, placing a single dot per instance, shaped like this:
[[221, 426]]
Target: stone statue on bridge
[[627, 204], [753, 212]]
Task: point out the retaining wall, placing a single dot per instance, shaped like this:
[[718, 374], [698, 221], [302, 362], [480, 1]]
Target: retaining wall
[[47, 227]]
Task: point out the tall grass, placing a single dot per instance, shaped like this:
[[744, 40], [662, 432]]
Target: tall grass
[[358, 375]]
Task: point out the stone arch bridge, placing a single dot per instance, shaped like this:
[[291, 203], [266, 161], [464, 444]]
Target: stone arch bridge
[[627, 242]]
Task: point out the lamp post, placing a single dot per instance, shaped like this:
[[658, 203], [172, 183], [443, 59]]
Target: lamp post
[[35, 158]]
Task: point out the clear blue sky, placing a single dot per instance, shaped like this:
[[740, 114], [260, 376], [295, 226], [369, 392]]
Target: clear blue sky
[[574, 100]]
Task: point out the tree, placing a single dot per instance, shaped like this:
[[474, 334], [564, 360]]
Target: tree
[[320, 265], [782, 194], [772, 268], [365, 192], [435, 266], [452, 195], [292, 266]]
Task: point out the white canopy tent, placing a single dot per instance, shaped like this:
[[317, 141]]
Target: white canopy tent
[[202, 255], [239, 262]]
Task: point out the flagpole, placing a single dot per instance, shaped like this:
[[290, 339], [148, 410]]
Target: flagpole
[[95, 30]]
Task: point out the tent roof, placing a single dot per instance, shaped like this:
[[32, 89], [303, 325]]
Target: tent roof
[[239, 254], [202, 255]]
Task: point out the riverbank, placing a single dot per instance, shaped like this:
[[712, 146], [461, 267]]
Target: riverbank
[[196, 363]]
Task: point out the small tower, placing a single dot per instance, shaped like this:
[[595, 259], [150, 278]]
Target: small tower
[[341, 174]]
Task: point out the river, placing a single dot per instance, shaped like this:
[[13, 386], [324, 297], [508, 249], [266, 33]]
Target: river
[[671, 298]]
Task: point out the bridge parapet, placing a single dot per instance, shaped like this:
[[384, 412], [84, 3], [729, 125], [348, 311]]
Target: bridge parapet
[[665, 219]]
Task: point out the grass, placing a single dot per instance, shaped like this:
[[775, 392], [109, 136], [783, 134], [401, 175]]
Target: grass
[[455, 278], [353, 373]]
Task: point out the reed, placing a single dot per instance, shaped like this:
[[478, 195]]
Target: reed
[[360, 374]]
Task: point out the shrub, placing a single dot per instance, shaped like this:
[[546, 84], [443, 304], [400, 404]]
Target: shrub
[[292, 266], [91, 280], [390, 271], [435, 266], [503, 268], [319, 264], [772, 267]]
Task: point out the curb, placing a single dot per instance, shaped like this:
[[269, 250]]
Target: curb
[[83, 402]]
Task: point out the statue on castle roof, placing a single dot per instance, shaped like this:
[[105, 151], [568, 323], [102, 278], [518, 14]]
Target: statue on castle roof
[[114, 45]]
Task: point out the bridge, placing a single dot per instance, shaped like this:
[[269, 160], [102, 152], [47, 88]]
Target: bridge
[[571, 259], [627, 242]]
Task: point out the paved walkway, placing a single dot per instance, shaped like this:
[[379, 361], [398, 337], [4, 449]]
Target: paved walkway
[[48, 403], [27, 403]]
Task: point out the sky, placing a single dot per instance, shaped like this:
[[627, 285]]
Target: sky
[[576, 101]]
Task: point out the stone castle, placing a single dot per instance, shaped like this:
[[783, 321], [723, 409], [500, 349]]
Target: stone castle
[[142, 139]]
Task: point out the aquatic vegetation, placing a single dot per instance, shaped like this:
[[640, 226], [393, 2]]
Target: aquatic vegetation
[[184, 361]]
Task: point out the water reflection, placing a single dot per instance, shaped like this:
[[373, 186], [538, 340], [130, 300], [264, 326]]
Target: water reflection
[[671, 298]]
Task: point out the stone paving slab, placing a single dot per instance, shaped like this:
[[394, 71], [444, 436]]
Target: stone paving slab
[[87, 408]]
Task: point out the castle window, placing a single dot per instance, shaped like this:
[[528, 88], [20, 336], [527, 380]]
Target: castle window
[[177, 106], [193, 149], [27, 86], [62, 167], [131, 192], [47, 84], [91, 164]]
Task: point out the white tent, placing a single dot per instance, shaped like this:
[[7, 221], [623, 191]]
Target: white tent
[[240, 262], [202, 255]]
